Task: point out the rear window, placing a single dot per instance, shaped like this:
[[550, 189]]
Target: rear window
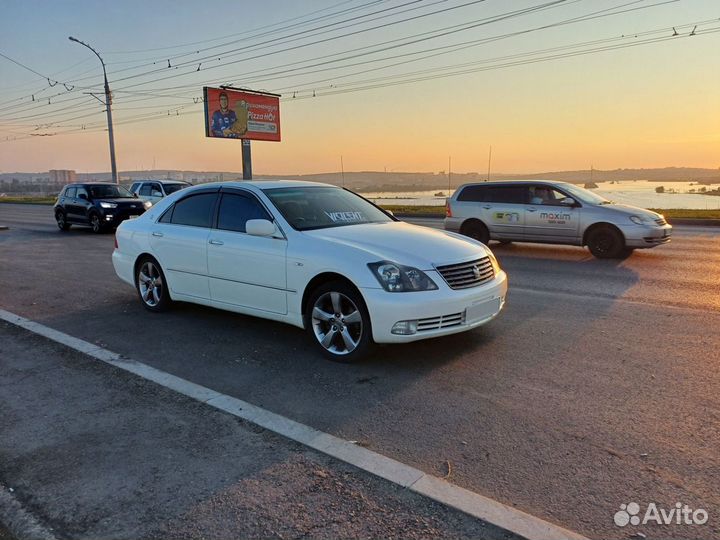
[[473, 194], [507, 194], [196, 210]]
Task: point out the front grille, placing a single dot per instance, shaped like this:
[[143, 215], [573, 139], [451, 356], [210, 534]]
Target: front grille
[[661, 221], [468, 274], [443, 321]]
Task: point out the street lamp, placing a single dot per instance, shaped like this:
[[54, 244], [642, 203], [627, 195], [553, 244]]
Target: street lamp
[[108, 109]]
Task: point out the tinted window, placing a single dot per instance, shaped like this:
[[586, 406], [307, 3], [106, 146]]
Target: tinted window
[[81, 191], [196, 210], [473, 193], [167, 216], [307, 208], [70, 192], [108, 191], [145, 190], [172, 188], [507, 194], [134, 186], [235, 210], [543, 194]]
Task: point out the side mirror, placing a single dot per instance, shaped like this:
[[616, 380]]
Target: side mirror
[[83, 197], [390, 212], [568, 201], [259, 227], [135, 195]]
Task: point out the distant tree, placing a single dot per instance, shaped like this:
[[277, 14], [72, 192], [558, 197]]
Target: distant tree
[[660, 189]]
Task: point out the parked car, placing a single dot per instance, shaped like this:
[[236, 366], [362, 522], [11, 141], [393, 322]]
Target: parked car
[[99, 206], [554, 213], [154, 190], [312, 255]]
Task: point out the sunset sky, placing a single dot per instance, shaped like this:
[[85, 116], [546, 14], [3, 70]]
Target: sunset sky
[[651, 105]]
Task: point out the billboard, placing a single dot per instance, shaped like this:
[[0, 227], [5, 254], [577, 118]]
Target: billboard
[[238, 114]]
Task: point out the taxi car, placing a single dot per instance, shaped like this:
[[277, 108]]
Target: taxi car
[[554, 213]]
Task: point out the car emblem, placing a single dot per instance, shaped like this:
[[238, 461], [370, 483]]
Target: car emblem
[[476, 271]]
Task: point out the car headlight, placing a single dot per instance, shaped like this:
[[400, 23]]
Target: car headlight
[[493, 260], [108, 205], [147, 204], [398, 278], [639, 220]]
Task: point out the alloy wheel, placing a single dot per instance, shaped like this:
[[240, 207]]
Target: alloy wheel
[[150, 284], [337, 323]]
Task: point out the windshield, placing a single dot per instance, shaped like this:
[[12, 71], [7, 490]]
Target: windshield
[[308, 208], [110, 191], [584, 195], [172, 188]]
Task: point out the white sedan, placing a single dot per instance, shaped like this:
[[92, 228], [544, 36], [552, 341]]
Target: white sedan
[[312, 255]]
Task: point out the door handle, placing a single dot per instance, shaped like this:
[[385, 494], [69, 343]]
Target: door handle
[[531, 209], [488, 207], [217, 242], [158, 234]]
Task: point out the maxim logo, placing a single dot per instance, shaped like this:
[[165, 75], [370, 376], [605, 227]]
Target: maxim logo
[[554, 216]]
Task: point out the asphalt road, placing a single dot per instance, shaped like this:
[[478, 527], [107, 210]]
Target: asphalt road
[[597, 385]]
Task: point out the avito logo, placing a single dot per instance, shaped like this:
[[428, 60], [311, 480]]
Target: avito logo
[[681, 514]]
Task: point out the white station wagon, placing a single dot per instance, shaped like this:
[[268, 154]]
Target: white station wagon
[[312, 255]]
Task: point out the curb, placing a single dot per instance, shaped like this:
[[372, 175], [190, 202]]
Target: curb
[[468, 502]]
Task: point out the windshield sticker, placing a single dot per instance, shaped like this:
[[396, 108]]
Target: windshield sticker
[[557, 218], [346, 217], [506, 217]]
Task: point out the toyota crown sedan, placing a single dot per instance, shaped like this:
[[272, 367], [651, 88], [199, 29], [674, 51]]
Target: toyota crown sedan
[[553, 213], [312, 255]]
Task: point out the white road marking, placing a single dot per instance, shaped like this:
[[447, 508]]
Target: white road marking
[[432, 487]]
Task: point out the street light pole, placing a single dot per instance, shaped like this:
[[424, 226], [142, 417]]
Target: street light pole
[[108, 109]]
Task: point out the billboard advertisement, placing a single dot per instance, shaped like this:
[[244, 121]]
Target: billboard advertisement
[[237, 114]]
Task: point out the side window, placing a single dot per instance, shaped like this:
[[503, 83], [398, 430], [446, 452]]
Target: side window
[[145, 190], [155, 190], [71, 192], [508, 194], [546, 195], [167, 216], [134, 187], [473, 194], [196, 210], [82, 191], [236, 210]]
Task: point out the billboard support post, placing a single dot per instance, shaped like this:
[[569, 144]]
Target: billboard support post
[[246, 160]]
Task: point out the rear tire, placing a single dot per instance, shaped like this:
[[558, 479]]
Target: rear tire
[[338, 322], [151, 285], [61, 220], [606, 242], [476, 230]]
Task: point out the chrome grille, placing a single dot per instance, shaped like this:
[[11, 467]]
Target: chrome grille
[[467, 274], [661, 221], [443, 321]]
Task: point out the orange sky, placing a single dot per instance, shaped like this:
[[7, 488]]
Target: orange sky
[[652, 106]]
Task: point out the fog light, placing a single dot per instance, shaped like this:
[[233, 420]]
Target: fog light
[[108, 217], [405, 328]]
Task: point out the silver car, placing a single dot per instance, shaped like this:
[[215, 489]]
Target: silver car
[[553, 213]]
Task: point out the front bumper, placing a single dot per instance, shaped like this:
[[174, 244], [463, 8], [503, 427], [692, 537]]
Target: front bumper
[[647, 236], [112, 217], [439, 313]]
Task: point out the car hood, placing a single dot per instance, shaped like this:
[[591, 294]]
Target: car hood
[[631, 210], [403, 243]]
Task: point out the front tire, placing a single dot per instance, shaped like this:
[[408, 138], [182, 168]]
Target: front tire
[[338, 321], [95, 223], [61, 220], [476, 230], [151, 285], [606, 243]]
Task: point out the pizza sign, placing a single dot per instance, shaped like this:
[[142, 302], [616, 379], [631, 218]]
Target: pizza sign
[[238, 114]]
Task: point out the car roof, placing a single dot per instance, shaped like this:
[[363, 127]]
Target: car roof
[[511, 182], [268, 184]]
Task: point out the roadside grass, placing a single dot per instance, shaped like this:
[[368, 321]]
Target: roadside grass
[[28, 200], [677, 213]]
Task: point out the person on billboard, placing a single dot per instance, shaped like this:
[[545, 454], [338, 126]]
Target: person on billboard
[[223, 119]]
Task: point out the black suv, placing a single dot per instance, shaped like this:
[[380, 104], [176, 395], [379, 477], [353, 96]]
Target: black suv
[[101, 206]]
